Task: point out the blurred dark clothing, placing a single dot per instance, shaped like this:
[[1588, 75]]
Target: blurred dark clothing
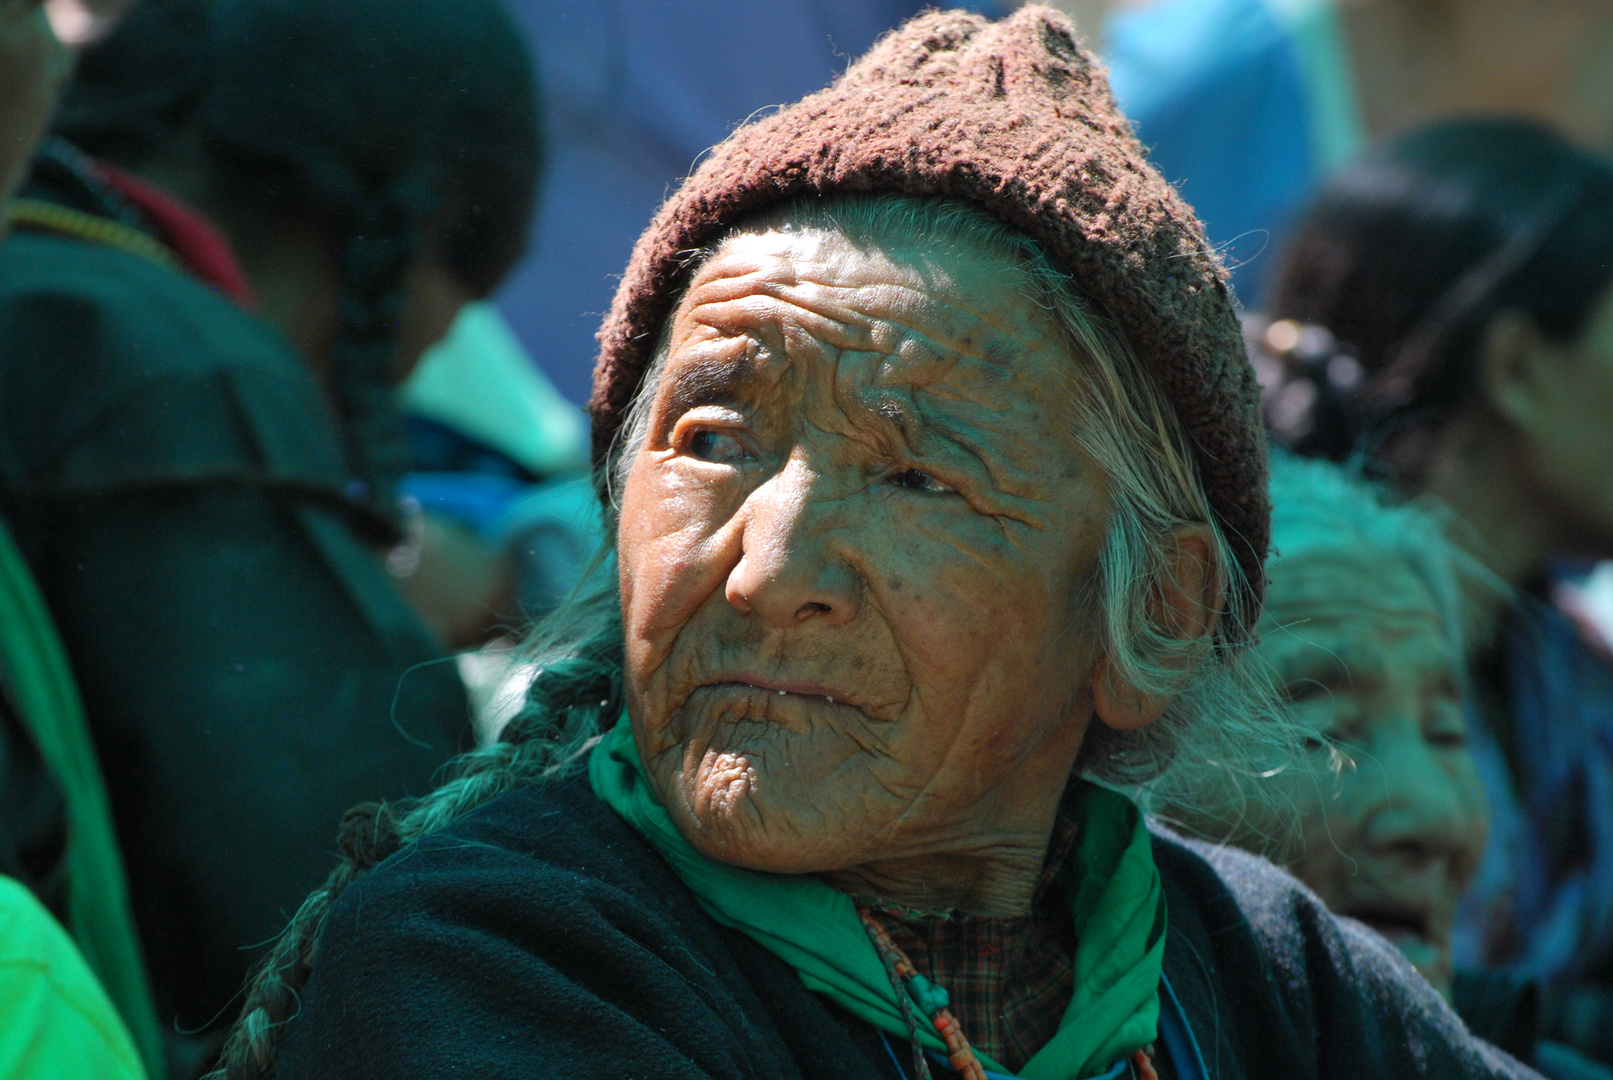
[[634, 91], [176, 482], [1542, 902], [1499, 1008], [1504, 1010], [540, 933]]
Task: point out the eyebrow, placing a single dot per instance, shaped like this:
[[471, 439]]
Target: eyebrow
[[706, 382]]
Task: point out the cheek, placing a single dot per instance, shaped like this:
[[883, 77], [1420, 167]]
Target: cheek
[[670, 547], [1580, 443], [1474, 814], [978, 618], [1328, 822]]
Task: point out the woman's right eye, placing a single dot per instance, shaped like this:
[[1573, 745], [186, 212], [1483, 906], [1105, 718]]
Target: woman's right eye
[[709, 444], [1323, 740], [1305, 691]]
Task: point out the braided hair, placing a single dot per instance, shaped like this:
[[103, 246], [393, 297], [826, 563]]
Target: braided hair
[[577, 694], [1383, 297], [401, 125]]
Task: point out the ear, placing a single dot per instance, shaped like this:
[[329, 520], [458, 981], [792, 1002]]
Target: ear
[[1516, 365], [1186, 605]]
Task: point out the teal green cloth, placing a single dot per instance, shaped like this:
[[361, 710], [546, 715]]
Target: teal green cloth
[[56, 1022], [1109, 877], [35, 668]]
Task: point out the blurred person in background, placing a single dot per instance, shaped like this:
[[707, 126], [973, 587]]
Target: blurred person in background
[[1445, 312], [632, 100], [1249, 105], [501, 518], [1365, 628], [201, 330], [56, 1020]]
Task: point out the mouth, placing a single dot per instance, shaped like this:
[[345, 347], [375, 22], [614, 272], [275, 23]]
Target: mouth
[[825, 693], [1394, 920]]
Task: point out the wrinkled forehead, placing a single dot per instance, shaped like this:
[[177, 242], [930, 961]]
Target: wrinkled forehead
[[906, 314], [1361, 598], [1358, 577]]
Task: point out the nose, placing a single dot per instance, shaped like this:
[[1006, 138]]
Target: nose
[[789, 571], [1422, 814]]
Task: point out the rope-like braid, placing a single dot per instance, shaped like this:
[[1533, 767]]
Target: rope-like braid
[[386, 236], [571, 702]]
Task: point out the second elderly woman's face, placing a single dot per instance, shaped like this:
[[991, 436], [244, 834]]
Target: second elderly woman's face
[[853, 552], [1391, 815]]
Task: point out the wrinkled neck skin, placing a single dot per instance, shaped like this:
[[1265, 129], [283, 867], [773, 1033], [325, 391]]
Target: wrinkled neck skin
[[993, 875], [999, 883]]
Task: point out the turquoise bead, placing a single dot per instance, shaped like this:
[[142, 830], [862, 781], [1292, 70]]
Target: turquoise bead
[[930, 998]]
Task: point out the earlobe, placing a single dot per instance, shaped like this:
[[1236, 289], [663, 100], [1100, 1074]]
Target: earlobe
[[1509, 368], [1119, 704], [1186, 606]]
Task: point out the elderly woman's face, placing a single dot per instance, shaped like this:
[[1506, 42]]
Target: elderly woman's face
[[853, 553], [1392, 819]]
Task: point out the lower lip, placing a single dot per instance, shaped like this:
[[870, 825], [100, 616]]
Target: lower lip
[[1418, 951], [752, 688]]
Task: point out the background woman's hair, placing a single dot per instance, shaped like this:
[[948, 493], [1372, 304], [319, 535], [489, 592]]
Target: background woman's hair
[[1407, 256], [399, 124], [1321, 508], [1225, 717]]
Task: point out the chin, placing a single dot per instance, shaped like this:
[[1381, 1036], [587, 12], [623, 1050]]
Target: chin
[[731, 817], [778, 847]]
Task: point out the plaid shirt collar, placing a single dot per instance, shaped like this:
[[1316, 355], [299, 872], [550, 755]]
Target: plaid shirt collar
[[1010, 980]]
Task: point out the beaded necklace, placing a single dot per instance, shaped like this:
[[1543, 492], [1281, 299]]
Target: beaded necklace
[[49, 217], [933, 1001]]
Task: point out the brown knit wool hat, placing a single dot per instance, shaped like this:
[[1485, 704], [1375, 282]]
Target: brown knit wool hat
[[1014, 117]]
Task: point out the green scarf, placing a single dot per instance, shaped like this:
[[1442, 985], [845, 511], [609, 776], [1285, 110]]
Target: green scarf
[[1110, 879]]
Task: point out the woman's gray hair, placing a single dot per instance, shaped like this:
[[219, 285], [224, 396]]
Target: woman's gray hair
[[1320, 508]]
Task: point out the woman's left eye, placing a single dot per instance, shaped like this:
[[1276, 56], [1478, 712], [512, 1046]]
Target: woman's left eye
[[1447, 736], [918, 480]]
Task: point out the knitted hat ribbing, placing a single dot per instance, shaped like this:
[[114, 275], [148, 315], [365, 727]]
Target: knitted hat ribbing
[[1015, 117]]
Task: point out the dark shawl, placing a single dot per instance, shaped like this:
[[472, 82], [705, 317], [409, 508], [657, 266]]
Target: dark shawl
[[539, 935]]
